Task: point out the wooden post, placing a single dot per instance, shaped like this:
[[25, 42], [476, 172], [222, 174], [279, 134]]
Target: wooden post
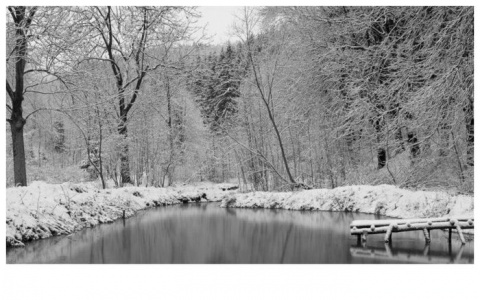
[[388, 235], [364, 237], [358, 239], [124, 214], [449, 235], [426, 233], [460, 233]]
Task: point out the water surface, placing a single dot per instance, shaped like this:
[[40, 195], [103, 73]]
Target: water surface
[[206, 233]]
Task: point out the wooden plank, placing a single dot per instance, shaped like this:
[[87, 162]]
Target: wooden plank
[[412, 227], [368, 223]]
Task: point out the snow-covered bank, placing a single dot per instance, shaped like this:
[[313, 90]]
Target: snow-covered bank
[[385, 200], [42, 210]]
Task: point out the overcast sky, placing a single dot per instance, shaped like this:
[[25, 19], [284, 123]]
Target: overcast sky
[[219, 21]]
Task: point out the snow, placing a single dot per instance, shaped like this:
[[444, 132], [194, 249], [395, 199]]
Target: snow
[[42, 210], [385, 200]]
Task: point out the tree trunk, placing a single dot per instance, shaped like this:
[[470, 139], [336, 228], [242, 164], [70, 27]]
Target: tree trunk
[[19, 169], [124, 158], [381, 152], [381, 157], [414, 146], [170, 131], [266, 100], [17, 122], [470, 130], [470, 147], [100, 161]]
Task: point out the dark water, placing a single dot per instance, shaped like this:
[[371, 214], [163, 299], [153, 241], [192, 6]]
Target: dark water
[[206, 233]]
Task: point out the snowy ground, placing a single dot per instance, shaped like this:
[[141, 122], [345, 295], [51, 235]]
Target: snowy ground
[[385, 200], [42, 210]]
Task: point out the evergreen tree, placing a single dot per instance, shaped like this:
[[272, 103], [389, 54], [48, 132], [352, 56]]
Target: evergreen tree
[[216, 86]]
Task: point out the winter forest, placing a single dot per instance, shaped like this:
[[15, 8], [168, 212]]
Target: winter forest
[[303, 97]]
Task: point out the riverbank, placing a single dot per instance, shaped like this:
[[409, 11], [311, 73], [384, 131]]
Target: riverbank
[[384, 200], [43, 210]]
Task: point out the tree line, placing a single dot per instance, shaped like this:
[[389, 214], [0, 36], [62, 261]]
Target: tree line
[[305, 97]]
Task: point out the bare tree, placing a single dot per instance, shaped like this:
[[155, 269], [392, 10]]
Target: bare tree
[[124, 36], [265, 82], [22, 19]]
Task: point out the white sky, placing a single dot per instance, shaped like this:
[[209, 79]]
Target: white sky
[[219, 20]]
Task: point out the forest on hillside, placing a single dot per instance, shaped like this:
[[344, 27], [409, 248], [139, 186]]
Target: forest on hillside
[[306, 97]]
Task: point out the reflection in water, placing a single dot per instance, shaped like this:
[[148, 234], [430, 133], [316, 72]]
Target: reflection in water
[[399, 256], [206, 233]]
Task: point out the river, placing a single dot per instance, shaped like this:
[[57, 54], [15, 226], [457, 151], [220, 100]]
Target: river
[[207, 233]]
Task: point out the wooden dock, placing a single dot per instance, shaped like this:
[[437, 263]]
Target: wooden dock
[[362, 228]]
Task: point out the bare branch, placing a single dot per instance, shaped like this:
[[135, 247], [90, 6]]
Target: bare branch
[[10, 92]]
